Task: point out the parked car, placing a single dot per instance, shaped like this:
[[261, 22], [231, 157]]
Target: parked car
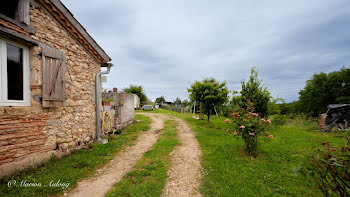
[[147, 107]]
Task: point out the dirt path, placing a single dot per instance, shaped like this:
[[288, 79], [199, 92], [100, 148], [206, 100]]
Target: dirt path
[[184, 172], [122, 163]]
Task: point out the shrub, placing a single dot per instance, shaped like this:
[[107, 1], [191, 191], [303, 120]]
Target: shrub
[[249, 126], [330, 168], [280, 119], [165, 106], [108, 100]]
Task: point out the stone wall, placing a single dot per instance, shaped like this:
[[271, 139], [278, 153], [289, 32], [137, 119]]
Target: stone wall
[[122, 107], [125, 109], [30, 135]]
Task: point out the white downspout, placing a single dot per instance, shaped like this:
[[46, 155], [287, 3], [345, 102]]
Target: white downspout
[[98, 119]]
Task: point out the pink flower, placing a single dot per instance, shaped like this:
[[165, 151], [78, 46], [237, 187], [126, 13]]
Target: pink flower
[[271, 136], [254, 114], [251, 133], [242, 127], [269, 121], [235, 132], [227, 120], [263, 120], [238, 115], [228, 130]]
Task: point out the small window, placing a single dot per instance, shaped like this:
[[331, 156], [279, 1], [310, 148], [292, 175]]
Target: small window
[[9, 8], [15, 11], [14, 74]]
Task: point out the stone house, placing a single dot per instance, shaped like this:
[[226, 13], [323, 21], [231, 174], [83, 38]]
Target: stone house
[[48, 64]]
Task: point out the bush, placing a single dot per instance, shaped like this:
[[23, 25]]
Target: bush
[[165, 106], [330, 168], [108, 100], [249, 126], [225, 110], [280, 119]]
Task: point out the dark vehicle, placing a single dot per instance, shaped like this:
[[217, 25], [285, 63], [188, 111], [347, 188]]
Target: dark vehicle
[[147, 107], [338, 114]]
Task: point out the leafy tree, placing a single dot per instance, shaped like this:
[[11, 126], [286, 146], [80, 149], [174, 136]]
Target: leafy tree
[[235, 102], [210, 93], [138, 90], [324, 89], [254, 91], [160, 99], [186, 103], [273, 107], [177, 101]]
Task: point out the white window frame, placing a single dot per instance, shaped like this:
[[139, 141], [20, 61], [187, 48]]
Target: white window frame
[[3, 75]]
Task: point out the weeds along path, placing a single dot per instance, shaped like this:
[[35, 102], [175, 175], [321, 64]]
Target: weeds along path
[[122, 163], [185, 167]]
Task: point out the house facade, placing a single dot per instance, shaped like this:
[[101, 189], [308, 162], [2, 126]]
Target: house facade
[[48, 64]]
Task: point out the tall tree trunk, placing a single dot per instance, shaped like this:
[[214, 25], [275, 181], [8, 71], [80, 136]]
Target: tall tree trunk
[[208, 116], [200, 111]]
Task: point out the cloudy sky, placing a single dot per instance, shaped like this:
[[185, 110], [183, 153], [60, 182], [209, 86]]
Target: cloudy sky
[[166, 45]]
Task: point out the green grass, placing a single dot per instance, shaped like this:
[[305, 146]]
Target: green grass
[[148, 176], [228, 171], [70, 169]]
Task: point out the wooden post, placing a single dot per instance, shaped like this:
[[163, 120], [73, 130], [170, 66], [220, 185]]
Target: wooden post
[[215, 111], [194, 111]]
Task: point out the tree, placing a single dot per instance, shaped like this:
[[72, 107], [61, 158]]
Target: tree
[[160, 99], [235, 102], [254, 91], [177, 101], [186, 103], [138, 90], [324, 89], [210, 93]]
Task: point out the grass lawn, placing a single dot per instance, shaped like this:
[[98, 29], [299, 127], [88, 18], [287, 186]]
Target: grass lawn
[[80, 164], [228, 171], [147, 178]]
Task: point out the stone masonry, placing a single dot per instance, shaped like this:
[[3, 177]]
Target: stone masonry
[[122, 108], [31, 134]]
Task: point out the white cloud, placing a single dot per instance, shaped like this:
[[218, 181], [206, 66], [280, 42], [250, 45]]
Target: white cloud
[[166, 45]]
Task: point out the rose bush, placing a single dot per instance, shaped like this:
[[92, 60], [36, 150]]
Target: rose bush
[[248, 126], [330, 168]]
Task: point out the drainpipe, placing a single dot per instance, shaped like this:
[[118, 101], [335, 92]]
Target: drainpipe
[[98, 119]]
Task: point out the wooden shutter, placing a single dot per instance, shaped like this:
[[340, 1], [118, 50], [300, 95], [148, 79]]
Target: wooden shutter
[[54, 68]]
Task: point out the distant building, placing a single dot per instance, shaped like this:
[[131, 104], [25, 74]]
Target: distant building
[[156, 105], [167, 102]]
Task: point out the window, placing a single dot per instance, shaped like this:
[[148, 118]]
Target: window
[[15, 11], [9, 8], [14, 74]]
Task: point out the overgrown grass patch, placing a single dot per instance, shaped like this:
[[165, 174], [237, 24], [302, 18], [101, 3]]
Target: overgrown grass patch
[[148, 176], [71, 169], [229, 171]]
